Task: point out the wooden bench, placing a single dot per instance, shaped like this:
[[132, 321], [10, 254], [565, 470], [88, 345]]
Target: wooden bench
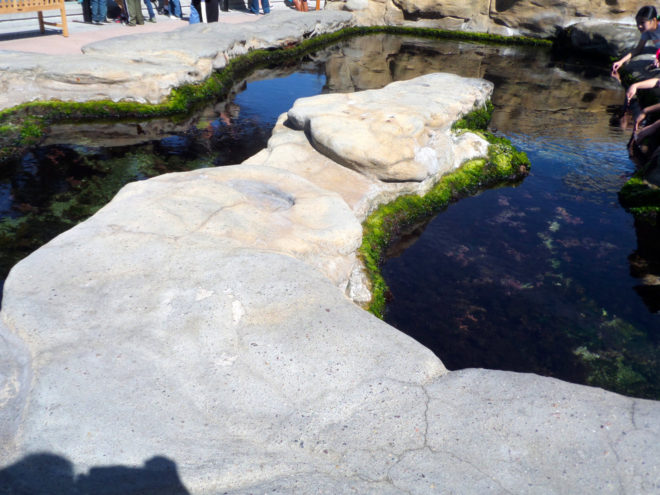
[[20, 6]]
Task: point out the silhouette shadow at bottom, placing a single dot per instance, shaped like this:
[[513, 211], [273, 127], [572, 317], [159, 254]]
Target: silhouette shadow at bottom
[[44, 473]]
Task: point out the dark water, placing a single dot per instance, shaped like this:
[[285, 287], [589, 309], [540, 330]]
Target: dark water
[[533, 278]]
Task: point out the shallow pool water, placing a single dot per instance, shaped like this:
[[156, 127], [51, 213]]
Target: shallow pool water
[[528, 278]]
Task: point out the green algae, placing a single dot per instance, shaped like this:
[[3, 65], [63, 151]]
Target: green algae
[[104, 177], [619, 357], [504, 165], [638, 196], [24, 125]]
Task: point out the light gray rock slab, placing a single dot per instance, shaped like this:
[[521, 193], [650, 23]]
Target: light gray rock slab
[[227, 364], [194, 336], [400, 133], [31, 77], [146, 67], [502, 432], [218, 41]]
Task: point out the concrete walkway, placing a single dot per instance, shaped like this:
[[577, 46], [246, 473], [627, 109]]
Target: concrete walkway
[[20, 32]]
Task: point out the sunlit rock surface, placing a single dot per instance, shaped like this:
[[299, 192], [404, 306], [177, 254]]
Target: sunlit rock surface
[[539, 18], [373, 145], [399, 133], [146, 67], [193, 337]]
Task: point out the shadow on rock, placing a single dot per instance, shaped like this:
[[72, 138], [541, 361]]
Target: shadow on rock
[[42, 474]]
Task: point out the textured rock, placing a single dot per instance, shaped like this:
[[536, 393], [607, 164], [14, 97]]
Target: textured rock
[[539, 18], [601, 38], [546, 17], [159, 62], [407, 58], [498, 432], [191, 337], [399, 133]]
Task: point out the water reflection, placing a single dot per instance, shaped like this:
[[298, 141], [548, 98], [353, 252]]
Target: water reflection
[[533, 278]]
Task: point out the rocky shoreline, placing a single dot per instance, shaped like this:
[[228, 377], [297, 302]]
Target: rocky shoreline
[[194, 335]]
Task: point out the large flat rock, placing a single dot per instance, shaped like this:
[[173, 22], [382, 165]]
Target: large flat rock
[[399, 133], [194, 336], [146, 67]]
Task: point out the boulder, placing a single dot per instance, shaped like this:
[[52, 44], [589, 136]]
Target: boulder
[[546, 18], [606, 39], [398, 133], [537, 18]]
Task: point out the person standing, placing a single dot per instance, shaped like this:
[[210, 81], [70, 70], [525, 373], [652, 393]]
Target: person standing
[[211, 9], [99, 11], [134, 12], [174, 9], [150, 9], [254, 6]]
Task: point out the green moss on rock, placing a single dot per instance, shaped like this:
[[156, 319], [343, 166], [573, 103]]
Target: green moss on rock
[[24, 125], [638, 196], [504, 164]]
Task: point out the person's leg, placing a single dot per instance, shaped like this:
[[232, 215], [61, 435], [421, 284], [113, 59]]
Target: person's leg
[[305, 7], [150, 9], [265, 6], [94, 6], [138, 12], [87, 11], [175, 8], [646, 131], [254, 6], [104, 11], [124, 10], [198, 5], [211, 10], [133, 7]]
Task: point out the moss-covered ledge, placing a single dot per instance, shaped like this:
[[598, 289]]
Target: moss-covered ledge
[[504, 165], [24, 125], [639, 196]]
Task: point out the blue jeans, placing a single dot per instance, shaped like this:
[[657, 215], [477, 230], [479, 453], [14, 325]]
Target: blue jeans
[[99, 10], [175, 8], [150, 9], [254, 6]]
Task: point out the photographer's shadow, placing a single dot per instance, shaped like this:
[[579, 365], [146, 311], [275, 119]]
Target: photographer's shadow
[[49, 474]]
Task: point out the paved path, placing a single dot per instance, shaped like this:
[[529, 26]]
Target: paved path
[[20, 32]]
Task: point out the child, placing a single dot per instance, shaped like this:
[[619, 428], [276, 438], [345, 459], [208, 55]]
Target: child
[[647, 23], [647, 84], [640, 133]]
